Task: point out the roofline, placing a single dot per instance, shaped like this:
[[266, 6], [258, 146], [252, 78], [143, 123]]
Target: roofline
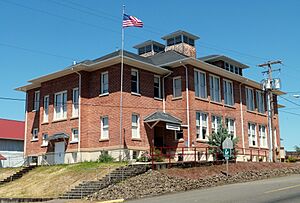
[[12, 120], [147, 43], [173, 34], [17, 139], [229, 59], [219, 71], [35, 83]]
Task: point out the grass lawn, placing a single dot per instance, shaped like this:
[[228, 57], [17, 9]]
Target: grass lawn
[[51, 181], [6, 172]]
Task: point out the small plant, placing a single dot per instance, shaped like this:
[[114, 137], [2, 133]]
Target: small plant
[[145, 157], [105, 157], [158, 156], [291, 159]]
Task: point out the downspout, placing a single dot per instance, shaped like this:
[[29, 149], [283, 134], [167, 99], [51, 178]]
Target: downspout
[[187, 102], [25, 130], [163, 88], [242, 118], [79, 114]]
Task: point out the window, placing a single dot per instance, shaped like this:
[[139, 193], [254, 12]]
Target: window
[[200, 84], [104, 83], [215, 93], [252, 134], [36, 104], [134, 81], [177, 87], [74, 134], [216, 122], [104, 128], [46, 109], [135, 126], [249, 99], [178, 134], [178, 39], [263, 136], [75, 102], [35, 133], [260, 101], [228, 92], [60, 105], [157, 90], [45, 140], [170, 42], [240, 71], [230, 124], [201, 126], [227, 66]]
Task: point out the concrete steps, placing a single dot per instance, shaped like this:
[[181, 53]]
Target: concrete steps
[[17, 175], [87, 188]]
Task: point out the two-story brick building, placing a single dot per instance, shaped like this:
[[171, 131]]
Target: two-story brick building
[[168, 98]]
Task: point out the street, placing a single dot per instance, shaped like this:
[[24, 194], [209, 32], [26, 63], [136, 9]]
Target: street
[[282, 189]]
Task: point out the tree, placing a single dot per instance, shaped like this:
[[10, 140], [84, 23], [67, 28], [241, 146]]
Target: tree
[[216, 139]]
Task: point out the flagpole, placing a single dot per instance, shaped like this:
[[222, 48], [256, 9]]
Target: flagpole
[[121, 87]]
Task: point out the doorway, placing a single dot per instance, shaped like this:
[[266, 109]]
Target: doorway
[[59, 153]]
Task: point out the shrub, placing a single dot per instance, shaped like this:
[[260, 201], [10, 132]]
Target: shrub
[[158, 156], [145, 157], [291, 159], [105, 157]]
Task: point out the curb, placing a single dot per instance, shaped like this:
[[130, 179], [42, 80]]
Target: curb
[[113, 201]]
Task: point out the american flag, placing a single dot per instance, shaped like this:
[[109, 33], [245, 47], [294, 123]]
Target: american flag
[[131, 21]]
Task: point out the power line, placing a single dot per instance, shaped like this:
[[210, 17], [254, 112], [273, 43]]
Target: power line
[[292, 113], [289, 100]]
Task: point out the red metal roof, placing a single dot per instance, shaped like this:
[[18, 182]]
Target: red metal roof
[[11, 129]]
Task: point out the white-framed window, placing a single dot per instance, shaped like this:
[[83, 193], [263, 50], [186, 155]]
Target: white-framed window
[[215, 91], [252, 134], [249, 99], [35, 134], [104, 128], [135, 81], [263, 136], [60, 105], [202, 126], [75, 102], [45, 139], [75, 135], [230, 125], [46, 109], [135, 126], [157, 88], [200, 84], [104, 83], [177, 87], [178, 135], [260, 101], [36, 102], [216, 122], [228, 92]]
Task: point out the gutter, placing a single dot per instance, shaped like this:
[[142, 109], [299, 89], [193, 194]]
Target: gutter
[[187, 103]]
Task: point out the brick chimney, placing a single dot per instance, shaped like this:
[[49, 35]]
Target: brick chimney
[[149, 48], [182, 42]]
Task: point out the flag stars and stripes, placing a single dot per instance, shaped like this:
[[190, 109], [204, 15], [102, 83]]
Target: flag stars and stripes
[[131, 21]]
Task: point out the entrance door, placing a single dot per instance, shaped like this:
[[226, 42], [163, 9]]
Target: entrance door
[[59, 153], [158, 136]]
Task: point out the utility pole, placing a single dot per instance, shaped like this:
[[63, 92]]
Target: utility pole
[[268, 85]]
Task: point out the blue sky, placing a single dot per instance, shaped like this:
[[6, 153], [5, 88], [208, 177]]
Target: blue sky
[[39, 37]]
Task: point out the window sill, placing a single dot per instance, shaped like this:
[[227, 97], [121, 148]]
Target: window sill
[[157, 98], [74, 117], [104, 140], [136, 94], [45, 123], [201, 140], [59, 120], [74, 142], [136, 139], [34, 140], [256, 147], [176, 98], [104, 94], [218, 103], [229, 106], [250, 111], [262, 114], [202, 99], [44, 145], [264, 148]]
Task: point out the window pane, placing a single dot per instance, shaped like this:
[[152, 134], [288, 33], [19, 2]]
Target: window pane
[[134, 81], [178, 39]]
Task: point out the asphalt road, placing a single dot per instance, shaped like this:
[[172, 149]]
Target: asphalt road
[[275, 190]]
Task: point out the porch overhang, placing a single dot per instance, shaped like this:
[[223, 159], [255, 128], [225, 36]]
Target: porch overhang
[[158, 116], [58, 136]]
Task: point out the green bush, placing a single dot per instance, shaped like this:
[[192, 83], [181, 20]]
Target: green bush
[[105, 157], [158, 156], [291, 159]]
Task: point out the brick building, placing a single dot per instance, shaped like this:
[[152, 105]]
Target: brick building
[[168, 98]]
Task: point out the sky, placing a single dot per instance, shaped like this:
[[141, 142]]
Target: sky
[[39, 37]]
